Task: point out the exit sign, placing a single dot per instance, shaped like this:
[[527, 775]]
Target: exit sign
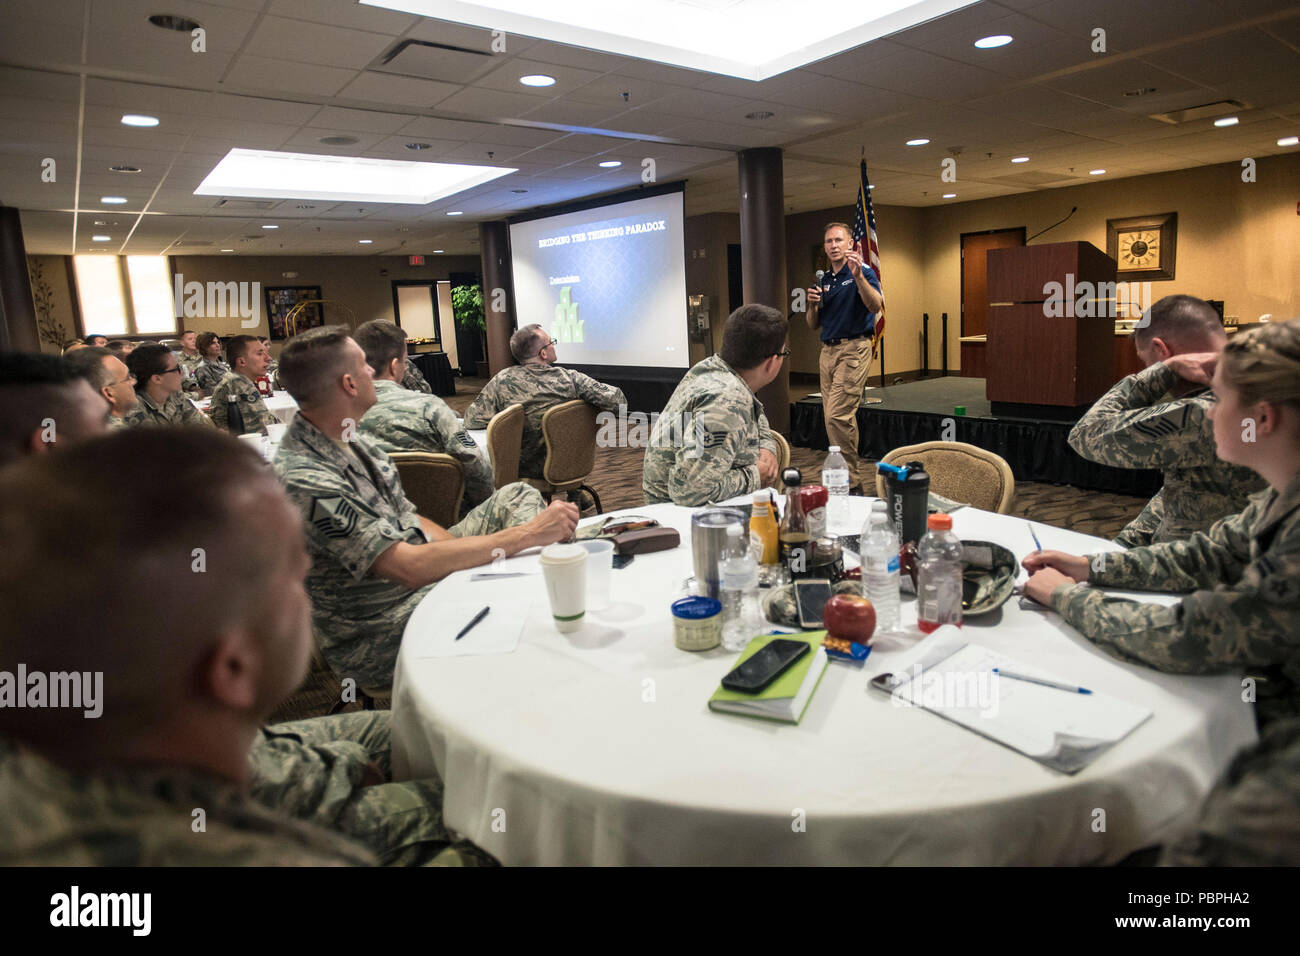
[[415, 260]]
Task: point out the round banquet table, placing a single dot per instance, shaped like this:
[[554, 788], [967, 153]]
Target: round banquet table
[[598, 747], [280, 404]]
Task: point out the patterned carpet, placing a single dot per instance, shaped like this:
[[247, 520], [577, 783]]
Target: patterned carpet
[[617, 479]]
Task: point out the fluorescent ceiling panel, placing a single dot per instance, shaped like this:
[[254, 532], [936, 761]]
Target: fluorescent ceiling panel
[[750, 39], [264, 174]]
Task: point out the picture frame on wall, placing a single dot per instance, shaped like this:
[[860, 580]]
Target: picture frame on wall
[[282, 300]]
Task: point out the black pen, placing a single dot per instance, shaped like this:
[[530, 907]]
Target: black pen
[[470, 626]]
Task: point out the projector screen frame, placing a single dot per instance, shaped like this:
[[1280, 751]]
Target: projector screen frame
[[666, 374]]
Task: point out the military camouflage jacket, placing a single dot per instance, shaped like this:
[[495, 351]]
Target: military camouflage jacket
[[538, 387], [354, 510], [1138, 425], [177, 410], [404, 420], [1243, 612], [209, 374], [705, 445], [50, 816], [249, 399], [1252, 817], [189, 365], [414, 379]]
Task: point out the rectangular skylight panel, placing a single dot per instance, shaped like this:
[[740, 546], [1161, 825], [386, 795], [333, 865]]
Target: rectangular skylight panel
[[265, 174], [751, 39]]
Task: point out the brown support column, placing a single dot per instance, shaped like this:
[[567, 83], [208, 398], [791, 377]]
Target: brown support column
[[762, 258], [18, 330], [494, 248]]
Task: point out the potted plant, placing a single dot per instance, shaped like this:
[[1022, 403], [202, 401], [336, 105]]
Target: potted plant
[[467, 310]]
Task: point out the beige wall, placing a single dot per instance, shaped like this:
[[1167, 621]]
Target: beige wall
[[1239, 242], [707, 238], [53, 273], [354, 287]]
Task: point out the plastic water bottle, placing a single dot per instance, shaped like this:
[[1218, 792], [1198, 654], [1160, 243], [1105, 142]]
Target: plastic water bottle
[[880, 567], [938, 578], [738, 577], [835, 477]]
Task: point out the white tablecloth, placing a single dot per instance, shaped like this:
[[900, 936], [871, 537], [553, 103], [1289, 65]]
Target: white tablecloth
[[598, 746], [280, 404]]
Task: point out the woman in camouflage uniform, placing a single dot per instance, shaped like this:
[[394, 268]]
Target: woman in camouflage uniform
[[1242, 577]]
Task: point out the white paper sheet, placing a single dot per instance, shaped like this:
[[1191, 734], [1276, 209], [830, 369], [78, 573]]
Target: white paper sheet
[[498, 633]]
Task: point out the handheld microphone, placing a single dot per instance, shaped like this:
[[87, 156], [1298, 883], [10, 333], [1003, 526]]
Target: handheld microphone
[[820, 273]]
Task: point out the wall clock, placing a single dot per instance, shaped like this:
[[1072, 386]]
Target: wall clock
[[1143, 247]]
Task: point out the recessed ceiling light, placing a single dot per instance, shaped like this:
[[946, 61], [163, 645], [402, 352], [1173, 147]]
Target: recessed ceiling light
[[365, 242], [1141, 91], [135, 119], [949, 195], [1096, 172], [418, 146], [917, 142], [537, 79], [124, 169], [270, 227], [227, 250], [759, 115], [764, 40], [100, 222], [1020, 159], [989, 43], [265, 174], [112, 200], [1226, 121], [437, 251], [609, 164], [170, 22], [1289, 141], [101, 238], [457, 213], [340, 140]]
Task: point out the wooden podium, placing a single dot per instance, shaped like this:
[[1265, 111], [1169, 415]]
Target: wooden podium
[[1049, 353]]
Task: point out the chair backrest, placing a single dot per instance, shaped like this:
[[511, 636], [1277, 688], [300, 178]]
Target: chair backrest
[[569, 432], [959, 471], [505, 436], [782, 459], [434, 482]]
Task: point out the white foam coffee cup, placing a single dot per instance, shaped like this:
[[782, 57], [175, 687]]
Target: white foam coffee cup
[[564, 568]]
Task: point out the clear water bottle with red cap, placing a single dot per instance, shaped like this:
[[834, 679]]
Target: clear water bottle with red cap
[[938, 578]]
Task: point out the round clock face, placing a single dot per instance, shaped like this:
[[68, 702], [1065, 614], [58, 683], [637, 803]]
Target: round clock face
[[1139, 249]]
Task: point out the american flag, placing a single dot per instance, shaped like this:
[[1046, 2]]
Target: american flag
[[864, 242]]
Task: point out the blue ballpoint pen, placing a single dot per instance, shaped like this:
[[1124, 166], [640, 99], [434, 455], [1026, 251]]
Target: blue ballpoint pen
[[1038, 680]]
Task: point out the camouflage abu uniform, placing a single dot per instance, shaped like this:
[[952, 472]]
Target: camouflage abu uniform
[[177, 410], [1138, 425], [313, 770], [1243, 612], [143, 816], [414, 380], [403, 420], [351, 500], [189, 365], [722, 429], [251, 404], [538, 387], [209, 374], [1252, 817]]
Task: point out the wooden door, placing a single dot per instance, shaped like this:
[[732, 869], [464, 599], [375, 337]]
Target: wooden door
[[974, 275]]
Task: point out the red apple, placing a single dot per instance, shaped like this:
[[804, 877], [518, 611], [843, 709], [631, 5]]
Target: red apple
[[850, 617]]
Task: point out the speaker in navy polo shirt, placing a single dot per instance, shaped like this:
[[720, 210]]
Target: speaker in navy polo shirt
[[842, 311]]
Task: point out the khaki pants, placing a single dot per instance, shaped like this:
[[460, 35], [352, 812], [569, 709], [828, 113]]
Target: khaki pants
[[844, 369]]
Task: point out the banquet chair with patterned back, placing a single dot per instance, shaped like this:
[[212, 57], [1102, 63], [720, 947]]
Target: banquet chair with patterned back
[[505, 437], [434, 482], [782, 459], [959, 471], [569, 434]]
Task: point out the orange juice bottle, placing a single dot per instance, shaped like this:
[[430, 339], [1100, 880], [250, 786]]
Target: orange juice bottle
[[762, 524]]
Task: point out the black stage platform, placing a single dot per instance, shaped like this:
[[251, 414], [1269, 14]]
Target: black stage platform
[[1036, 449]]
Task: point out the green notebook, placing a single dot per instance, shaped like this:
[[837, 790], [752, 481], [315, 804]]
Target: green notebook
[[786, 698]]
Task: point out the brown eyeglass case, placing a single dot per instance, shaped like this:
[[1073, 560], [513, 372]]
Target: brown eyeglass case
[[646, 541]]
